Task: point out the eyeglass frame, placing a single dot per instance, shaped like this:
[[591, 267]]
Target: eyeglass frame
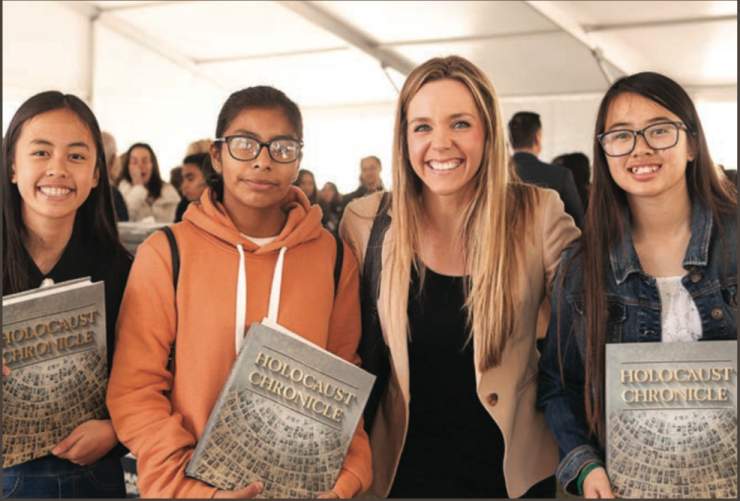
[[635, 133], [227, 139]]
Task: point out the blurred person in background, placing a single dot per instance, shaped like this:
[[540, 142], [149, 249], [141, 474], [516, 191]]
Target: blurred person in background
[[111, 157], [580, 166], [307, 183], [370, 181], [330, 201], [148, 198], [525, 132], [194, 170], [176, 178]]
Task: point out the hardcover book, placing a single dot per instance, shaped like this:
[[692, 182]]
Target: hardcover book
[[54, 342], [672, 419], [285, 417]]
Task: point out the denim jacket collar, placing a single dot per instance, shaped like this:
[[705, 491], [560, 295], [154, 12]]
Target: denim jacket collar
[[624, 257]]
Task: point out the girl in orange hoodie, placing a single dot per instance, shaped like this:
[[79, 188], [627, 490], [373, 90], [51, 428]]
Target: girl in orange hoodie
[[251, 228]]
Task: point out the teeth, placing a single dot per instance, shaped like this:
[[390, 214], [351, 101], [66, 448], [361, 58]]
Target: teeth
[[643, 170], [444, 166], [55, 192]]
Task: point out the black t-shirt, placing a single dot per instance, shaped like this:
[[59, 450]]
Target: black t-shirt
[[84, 259], [453, 447]]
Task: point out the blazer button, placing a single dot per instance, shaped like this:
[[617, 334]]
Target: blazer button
[[717, 314], [492, 399], [696, 276]]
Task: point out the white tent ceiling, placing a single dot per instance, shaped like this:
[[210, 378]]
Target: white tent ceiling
[[527, 48], [181, 58]]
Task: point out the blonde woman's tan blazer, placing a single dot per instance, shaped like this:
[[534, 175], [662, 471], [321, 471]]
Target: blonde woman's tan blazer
[[507, 392]]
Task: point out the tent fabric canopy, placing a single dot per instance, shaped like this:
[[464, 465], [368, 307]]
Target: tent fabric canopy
[[527, 48], [179, 60]]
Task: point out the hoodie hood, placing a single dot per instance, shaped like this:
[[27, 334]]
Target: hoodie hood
[[303, 223]]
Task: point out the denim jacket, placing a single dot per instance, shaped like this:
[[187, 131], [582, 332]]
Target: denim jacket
[[634, 308]]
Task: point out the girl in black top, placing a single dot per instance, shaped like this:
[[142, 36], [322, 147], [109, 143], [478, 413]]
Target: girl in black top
[[59, 224]]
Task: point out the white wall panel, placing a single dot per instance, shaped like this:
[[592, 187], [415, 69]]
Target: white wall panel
[[45, 46], [142, 97], [337, 138]]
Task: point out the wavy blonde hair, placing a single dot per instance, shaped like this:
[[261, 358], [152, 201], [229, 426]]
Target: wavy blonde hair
[[492, 224]]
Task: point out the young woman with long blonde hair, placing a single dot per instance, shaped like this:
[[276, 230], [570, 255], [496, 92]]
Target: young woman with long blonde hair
[[468, 257]]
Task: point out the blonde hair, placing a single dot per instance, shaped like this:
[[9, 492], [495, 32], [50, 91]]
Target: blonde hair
[[492, 225]]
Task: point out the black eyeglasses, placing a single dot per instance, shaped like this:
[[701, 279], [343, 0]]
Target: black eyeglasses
[[660, 136], [245, 148]]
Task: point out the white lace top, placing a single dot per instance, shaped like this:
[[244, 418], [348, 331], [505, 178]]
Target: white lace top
[[679, 318]]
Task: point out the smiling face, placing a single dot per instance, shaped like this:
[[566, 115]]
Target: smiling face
[[647, 172], [445, 137], [54, 166], [260, 183]]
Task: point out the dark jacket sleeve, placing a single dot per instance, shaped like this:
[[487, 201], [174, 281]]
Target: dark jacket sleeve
[[560, 390]]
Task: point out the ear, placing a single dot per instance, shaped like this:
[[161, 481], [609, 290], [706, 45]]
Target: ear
[[690, 147], [96, 177], [216, 157], [538, 139], [13, 177]]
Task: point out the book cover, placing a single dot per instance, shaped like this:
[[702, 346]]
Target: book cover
[[672, 419], [54, 342], [285, 417]]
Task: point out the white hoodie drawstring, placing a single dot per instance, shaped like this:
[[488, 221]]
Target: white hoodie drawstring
[[241, 301], [277, 279], [241, 295]]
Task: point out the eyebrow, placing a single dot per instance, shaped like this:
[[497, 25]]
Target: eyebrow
[[451, 117], [652, 120], [70, 145]]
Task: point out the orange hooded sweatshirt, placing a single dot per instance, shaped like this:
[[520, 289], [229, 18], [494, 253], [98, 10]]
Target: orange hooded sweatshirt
[[160, 417]]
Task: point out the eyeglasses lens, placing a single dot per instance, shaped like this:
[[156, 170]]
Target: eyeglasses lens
[[658, 136], [281, 150]]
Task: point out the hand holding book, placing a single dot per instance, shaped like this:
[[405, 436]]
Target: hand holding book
[[250, 491], [285, 418], [88, 442], [328, 495], [54, 339], [596, 485]]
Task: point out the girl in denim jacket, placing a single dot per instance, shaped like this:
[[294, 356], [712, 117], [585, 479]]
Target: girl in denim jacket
[[657, 261]]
